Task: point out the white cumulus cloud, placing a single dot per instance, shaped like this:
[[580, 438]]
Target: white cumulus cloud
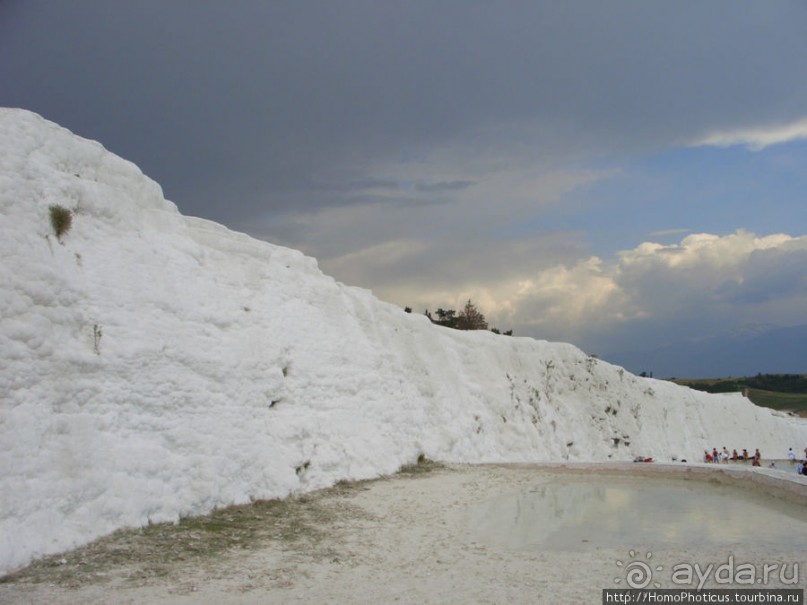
[[705, 279], [758, 137]]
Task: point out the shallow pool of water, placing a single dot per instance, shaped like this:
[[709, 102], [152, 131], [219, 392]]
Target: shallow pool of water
[[574, 514]]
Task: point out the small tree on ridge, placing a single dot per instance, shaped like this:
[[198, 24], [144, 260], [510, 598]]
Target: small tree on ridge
[[470, 318]]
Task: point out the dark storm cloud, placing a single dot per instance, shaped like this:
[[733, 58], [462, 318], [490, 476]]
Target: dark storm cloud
[[240, 108], [416, 147], [444, 186]]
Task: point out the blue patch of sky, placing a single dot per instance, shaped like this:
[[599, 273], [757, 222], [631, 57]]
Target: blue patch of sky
[[701, 189]]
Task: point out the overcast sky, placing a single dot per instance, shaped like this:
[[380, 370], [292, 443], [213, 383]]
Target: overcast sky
[[616, 174]]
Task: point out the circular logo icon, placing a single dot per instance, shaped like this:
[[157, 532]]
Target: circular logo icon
[[638, 573]]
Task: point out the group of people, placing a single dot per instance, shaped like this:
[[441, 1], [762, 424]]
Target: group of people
[[755, 458], [724, 456]]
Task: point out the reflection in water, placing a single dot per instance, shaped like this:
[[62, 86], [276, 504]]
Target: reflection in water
[[573, 514]]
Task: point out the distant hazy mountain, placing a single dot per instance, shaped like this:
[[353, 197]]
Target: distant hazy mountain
[[756, 349]]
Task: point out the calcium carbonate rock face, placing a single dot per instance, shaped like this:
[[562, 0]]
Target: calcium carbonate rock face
[[156, 365]]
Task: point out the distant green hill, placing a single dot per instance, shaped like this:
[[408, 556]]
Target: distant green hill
[[786, 392], [793, 402]]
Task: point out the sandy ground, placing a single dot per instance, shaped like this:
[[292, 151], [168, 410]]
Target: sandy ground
[[403, 539]]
